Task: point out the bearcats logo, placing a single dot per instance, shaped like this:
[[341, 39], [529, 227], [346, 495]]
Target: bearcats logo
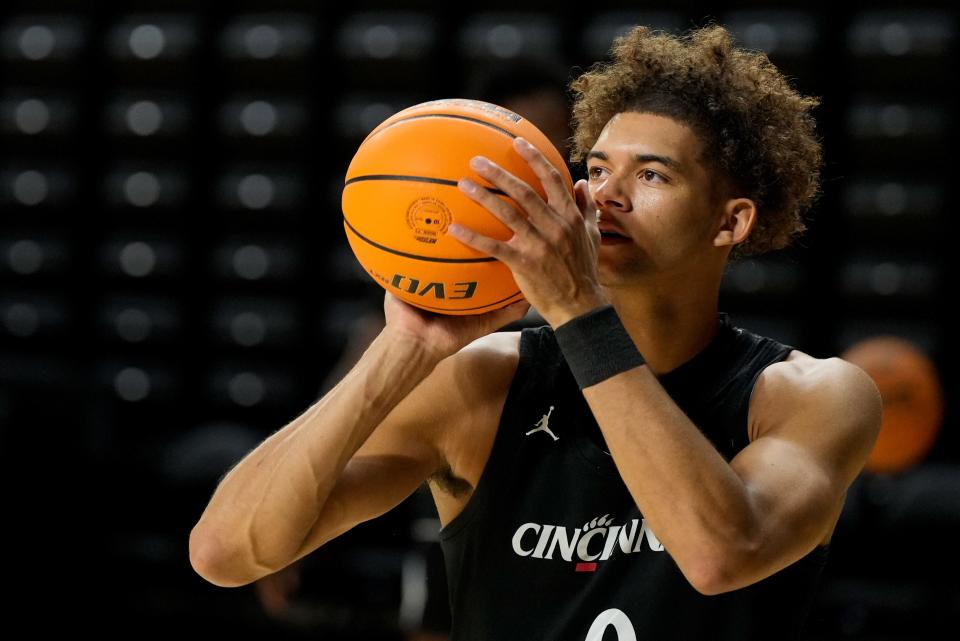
[[596, 541]]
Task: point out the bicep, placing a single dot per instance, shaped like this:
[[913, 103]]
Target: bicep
[[395, 460], [409, 445], [815, 439], [793, 494], [368, 487]]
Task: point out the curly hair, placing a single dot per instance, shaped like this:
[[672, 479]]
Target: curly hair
[[755, 129]]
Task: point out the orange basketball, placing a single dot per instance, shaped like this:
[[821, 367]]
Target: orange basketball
[[400, 196], [912, 400]]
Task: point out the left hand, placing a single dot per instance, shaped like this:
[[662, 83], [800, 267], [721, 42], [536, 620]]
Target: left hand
[[553, 250]]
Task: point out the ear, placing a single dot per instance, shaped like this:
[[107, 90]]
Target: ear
[[736, 221]]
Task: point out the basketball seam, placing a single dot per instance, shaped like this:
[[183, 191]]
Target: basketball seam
[[468, 309], [414, 256], [416, 179], [505, 132]]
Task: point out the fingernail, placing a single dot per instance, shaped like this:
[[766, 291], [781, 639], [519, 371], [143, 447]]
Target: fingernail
[[467, 185], [455, 229], [479, 162], [523, 143]]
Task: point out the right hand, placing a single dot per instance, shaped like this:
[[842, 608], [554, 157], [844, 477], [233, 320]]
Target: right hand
[[444, 335]]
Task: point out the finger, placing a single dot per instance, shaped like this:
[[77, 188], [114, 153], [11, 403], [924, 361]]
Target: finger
[[550, 178], [483, 244], [504, 211], [587, 210], [523, 194]]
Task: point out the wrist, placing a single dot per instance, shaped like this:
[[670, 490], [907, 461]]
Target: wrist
[[411, 347], [576, 309], [597, 346]]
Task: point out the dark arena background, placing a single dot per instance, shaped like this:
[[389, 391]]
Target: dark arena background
[[175, 284]]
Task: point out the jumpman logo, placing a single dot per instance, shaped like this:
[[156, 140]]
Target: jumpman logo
[[543, 426]]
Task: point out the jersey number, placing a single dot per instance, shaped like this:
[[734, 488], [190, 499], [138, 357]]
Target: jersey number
[[621, 624]]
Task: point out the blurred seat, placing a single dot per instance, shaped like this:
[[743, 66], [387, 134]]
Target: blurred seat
[[387, 36], [340, 319], [34, 316], [260, 189], [876, 198], [135, 319], [148, 115], [269, 37], [41, 38], [37, 186], [137, 256], [145, 187], [789, 37], [895, 211], [892, 277], [255, 259], [255, 322], [263, 118], [510, 35], [37, 113], [230, 383], [41, 253], [780, 33], [133, 379], [897, 120], [165, 37], [601, 30], [357, 115], [882, 130], [909, 49], [389, 50]]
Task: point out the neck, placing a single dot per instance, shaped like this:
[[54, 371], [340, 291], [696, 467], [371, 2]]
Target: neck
[[669, 324]]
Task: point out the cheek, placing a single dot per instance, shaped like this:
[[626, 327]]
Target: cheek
[[660, 214], [668, 226]]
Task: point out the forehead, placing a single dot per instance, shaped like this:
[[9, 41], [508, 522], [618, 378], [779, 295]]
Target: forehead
[[646, 133]]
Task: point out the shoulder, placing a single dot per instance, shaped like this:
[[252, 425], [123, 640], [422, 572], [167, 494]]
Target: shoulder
[[830, 397], [477, 376], [486, 360], [495, 345], [801, 376]]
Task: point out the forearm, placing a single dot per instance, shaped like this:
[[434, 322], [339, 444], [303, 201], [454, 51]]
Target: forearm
[[262, 511], [694, 501]]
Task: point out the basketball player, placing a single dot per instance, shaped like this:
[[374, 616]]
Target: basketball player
[[697, 469]]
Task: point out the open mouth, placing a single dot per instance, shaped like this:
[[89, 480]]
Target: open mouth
[[612, 238]]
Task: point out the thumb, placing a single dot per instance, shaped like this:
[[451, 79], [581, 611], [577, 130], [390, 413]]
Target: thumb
[[506, 315]]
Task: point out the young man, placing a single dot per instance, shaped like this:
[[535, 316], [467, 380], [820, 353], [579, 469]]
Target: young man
[[637, 464]]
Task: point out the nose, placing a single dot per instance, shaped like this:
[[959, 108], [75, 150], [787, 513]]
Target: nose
[[608, 193]]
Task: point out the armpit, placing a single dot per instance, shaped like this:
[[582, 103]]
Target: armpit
[[450, 483]]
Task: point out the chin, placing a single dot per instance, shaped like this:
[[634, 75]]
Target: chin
[[614, 275]]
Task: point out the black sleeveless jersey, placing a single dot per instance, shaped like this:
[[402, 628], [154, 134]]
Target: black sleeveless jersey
[[551, 546]]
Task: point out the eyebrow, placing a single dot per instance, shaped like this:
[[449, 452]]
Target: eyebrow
[[663, 160]]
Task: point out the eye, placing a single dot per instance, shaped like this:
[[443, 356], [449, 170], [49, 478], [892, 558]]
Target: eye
[[594, 172], [651, 175]]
